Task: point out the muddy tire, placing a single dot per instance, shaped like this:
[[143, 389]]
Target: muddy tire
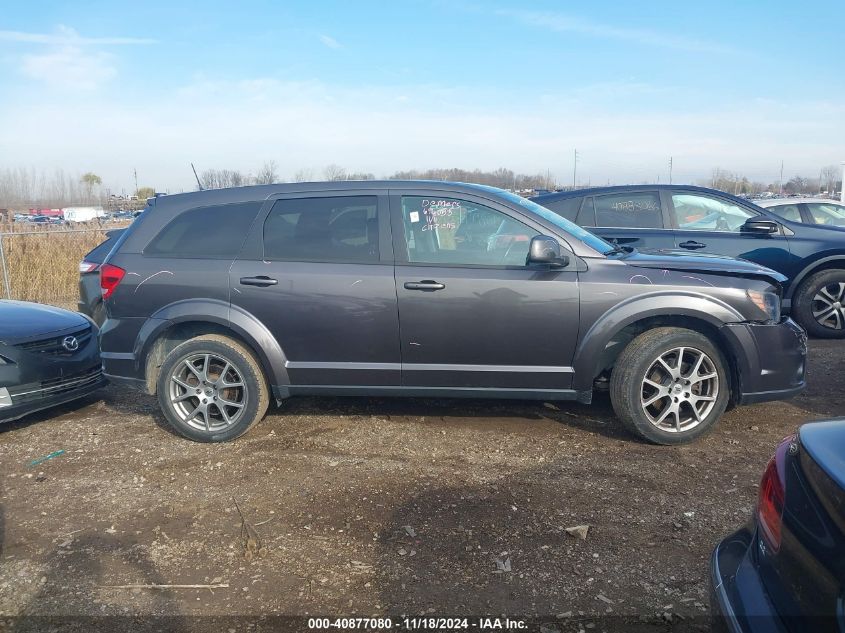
[[212, 389], [670, 385], [819, 304]]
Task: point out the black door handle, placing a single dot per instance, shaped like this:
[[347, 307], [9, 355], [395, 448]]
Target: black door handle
[[261, 281], [425, 284], [692, 245]]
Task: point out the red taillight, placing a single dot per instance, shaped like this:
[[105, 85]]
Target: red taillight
[[110, 277], [772, 495], [87, 267]]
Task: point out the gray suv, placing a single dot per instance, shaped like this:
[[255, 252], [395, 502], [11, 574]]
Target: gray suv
[[219, 301]]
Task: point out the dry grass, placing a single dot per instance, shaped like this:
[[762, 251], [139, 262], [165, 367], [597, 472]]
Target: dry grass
[[43, 263]]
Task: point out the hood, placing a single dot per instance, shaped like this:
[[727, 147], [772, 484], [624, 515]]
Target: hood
[[700, 262], [20, 320]]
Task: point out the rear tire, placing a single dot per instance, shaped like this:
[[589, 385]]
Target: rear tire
[[670, 385], [212, 389], [819, 304]]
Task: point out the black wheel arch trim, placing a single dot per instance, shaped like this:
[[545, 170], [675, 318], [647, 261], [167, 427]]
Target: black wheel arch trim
[[588, 354], [213, 311], [809, 270]]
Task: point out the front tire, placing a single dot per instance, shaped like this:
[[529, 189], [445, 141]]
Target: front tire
[[819, 304], [670, 385], [212, 389]]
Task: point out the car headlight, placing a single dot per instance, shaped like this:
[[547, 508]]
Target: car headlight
[[767, 302]]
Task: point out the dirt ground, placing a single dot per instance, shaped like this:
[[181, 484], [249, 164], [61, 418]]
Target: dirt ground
[[379, 506]]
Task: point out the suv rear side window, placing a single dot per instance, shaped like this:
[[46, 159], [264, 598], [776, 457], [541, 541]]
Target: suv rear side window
[[213, 232], [330, 229], [634, 210]]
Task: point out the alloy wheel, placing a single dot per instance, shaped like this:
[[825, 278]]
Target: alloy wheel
[[207, 392], [829, 306], [679, 389]]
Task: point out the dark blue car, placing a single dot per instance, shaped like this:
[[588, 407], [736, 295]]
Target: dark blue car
[[690, 218], [785, 570]]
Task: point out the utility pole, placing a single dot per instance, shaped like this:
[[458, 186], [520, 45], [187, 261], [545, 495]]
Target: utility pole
[[574, 168], [136, 180], [670, 170], [781, 178]]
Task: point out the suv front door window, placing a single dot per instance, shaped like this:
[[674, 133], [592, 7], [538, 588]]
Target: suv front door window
[[696, 212], [472, 313], [710, 224]]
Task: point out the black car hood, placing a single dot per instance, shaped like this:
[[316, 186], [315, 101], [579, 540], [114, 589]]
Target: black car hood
[[700, 262], [20, 320]]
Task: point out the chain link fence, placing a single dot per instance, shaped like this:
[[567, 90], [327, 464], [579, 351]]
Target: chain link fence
[[42, 264]]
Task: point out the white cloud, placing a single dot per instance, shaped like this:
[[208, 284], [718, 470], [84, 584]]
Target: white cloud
[[66, 36], [68, 60], [563, 23], [330, 41], [239, 124], [69, 67]]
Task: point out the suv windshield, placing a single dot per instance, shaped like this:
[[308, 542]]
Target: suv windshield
[[593, 241]]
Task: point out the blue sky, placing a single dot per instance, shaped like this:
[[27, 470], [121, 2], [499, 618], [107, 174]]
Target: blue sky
[[379, 87]]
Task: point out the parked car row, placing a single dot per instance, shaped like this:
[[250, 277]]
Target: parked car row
[[785, 237], [217, 301], [301, 289]]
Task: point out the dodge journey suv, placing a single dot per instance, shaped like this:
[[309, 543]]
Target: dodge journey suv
[[219, 301]]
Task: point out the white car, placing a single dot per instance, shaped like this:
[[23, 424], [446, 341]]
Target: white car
[[807, 210]]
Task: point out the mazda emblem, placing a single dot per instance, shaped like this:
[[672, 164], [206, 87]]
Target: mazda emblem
[[70, 343]]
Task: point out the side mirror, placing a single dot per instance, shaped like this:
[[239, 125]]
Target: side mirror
[[546, 250], [763, 227]]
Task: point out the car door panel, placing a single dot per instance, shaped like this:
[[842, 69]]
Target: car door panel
[[481, 326], [635, 218], [705, 223], [336, 321]]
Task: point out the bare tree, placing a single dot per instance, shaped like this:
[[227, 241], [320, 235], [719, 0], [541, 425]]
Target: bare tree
[[268, 174], [22, 188], [334, 172], [830, 178], [220, 178], [360, 175], [304, 175]]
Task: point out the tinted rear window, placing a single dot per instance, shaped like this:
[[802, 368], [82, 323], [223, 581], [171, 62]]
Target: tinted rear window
[[214, 232], [99, 252], [330, 229], [638, 210]]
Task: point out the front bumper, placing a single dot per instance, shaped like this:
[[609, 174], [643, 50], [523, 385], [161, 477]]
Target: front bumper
[[37, 380], [770, 359]]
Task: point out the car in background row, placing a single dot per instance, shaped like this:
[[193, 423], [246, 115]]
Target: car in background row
[[219, 300], [785, 569], [90, 295], [696, 219], [48, 356], [828, 213]]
